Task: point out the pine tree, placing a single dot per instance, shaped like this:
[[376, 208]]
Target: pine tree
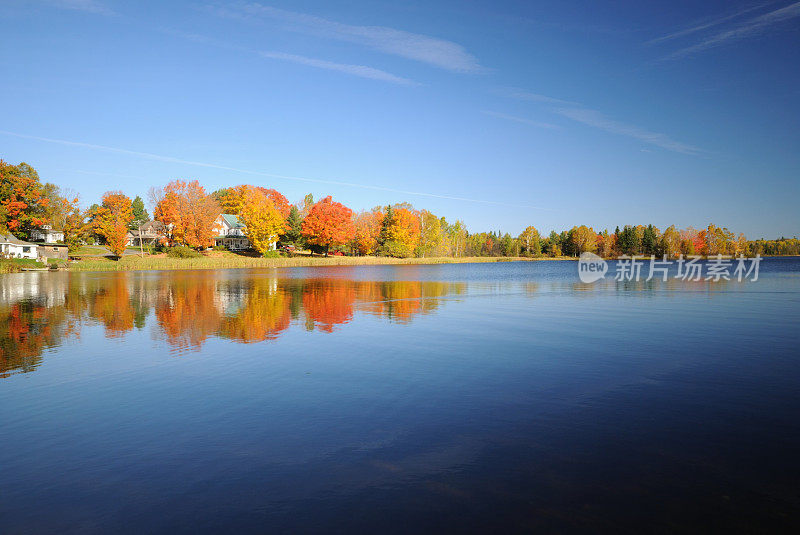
[[294, 227], [386, 227], [649, 240], [140, 215]]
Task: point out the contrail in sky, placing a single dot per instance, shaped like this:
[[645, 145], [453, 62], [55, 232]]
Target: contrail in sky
[[170, 159]]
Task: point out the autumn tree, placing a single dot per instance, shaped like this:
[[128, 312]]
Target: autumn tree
[[432, 238], [229, 199], [367, 229], [328, 224], [263, 222], [457, 235], [531, 241], [670, 242], [74, 226], [583, 239], [281, 203], [605, 244], [400, 231], [111, 220], [23, 202], [187, 213]]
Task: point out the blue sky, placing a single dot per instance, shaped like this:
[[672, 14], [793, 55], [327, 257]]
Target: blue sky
[[501, 114]]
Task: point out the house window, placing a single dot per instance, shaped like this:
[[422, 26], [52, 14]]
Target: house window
[[26, 249]]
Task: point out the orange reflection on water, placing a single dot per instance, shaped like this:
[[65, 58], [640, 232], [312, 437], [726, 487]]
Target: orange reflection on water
[[185, 309]]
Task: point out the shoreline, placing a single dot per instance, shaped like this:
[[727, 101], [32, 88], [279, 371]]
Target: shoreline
[[131, 263], [231, 261]]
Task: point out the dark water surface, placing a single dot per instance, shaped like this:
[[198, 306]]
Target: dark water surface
[[506, 397]]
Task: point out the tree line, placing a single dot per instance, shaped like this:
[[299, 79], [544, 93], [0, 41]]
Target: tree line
[[186, 213]]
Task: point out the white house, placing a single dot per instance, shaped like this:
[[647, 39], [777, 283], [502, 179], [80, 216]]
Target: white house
[[12, 247], [46, 234], [229, 232]]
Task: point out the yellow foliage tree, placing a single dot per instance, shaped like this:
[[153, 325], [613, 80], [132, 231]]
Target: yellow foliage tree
[[263, 222]]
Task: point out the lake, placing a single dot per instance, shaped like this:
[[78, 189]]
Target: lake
[[463, 397]]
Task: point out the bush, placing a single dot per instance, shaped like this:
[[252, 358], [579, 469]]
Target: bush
[[395, 249], [181, 251], [273, 254], [219, 248]]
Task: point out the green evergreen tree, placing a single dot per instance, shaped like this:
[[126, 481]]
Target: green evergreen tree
[[294, 226], [140, 215], [649, 240]]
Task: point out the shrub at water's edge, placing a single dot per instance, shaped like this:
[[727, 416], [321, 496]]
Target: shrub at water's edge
[[13, 265], [181, 251]]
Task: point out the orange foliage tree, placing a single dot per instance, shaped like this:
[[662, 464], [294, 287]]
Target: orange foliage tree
[[111, 220], [328, 224], [187, 213], [22, 200], [367, 228], [281, 203], [400, 232], [230, 200]]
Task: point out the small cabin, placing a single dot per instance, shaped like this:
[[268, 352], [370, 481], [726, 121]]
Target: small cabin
[[53, 250], [13, 247]]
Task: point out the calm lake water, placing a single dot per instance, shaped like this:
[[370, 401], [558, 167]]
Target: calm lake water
[[473, 397]]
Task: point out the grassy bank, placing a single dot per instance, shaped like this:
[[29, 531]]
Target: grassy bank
[[13, 265], [229, 260]]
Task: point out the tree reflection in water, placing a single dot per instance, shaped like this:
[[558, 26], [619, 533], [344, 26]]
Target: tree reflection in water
[[39, 311]]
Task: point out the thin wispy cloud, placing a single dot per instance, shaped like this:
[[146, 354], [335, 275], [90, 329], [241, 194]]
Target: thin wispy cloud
[[431, 50], [90, 6], [705, 25], [170, 159], [354, 70], [760, 25], [598, 120], [581, 114], [521, 94], [516, 119]]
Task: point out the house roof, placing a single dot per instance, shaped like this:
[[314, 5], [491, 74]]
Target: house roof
[[232, 220], [10, 238], [153, 224]]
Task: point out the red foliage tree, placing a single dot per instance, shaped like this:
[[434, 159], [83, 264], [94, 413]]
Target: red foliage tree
[[328, 224]]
